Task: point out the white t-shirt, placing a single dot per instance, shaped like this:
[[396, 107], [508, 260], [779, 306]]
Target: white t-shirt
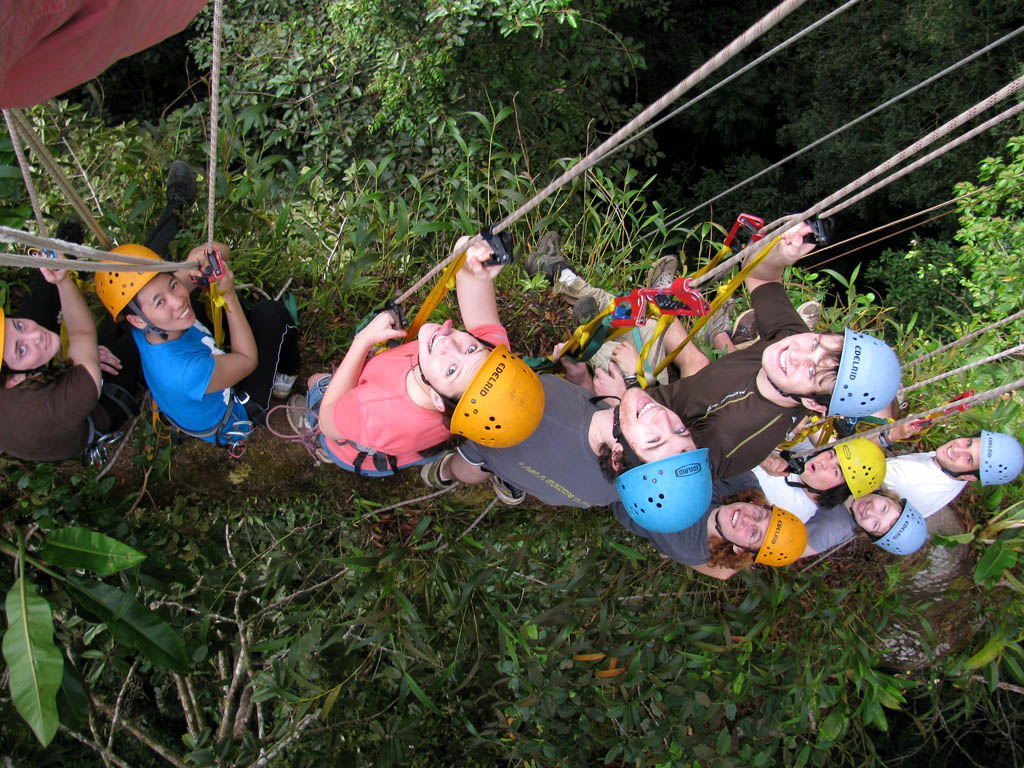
[[918, 479], [785, 496]]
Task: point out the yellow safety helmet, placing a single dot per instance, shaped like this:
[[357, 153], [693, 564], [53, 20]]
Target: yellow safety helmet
[[117, 289], [503, 403], [862, 464], [784, 541]]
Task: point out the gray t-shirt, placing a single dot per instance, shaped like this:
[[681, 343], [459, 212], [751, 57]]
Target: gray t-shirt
[[690, 545], [830, 526], [555, 464]]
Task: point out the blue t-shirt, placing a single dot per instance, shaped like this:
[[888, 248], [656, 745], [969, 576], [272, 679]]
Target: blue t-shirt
[[178, 372]]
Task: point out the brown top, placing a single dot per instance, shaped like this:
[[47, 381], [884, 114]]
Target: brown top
[[721, 404], [48, 423]]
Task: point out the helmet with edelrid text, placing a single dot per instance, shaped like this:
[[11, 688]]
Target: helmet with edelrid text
[[116, 289], [784, 540], [862, 464], [667, 495], [503, 403], [907, 534], [1001, 458], [868, 376]]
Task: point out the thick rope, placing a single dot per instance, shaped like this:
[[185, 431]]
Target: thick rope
[[592, 158], [89, 259], [965, 339], [1004, 115], [841, 129], [779, 225], [988, 394], [961, 369], [47, 162], [738, 73], [19, 153], [211, 162]]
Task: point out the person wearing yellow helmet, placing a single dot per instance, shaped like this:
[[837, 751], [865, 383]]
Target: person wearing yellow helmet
[[378, 414], [855, 467], [208, 393]]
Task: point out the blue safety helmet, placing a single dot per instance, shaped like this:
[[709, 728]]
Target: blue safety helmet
[[667, 495], [907, 534], [868, 376], [1001, 458]]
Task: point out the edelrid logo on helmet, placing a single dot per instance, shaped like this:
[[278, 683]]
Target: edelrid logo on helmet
[[855, 363], [689, 469], [846, 451], [776, 532], [492, 379], [903, 527]]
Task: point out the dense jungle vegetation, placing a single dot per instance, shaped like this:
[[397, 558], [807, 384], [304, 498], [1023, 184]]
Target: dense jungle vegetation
[[270, 612]]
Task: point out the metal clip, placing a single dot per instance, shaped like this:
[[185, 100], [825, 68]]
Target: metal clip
[[680, 298], [502, 245]]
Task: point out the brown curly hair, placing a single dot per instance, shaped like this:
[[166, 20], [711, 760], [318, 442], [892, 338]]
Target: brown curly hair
[[720, 551]]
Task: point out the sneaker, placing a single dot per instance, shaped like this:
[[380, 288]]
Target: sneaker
[[718, 322], [508, 495], [810, 313], [663, 273], [584, 310], [298, 415], [283, 384], [546, 258], [745, 328], [431, 473], [181, 185]]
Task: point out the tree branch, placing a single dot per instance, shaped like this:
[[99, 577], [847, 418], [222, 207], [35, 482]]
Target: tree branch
[[142, 736]]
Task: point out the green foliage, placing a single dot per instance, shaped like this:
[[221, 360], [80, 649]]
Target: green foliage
[[78, 547]]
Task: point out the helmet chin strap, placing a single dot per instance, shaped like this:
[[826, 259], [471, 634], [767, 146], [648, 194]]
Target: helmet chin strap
[[790, 395], [630, 459], [135, 309]]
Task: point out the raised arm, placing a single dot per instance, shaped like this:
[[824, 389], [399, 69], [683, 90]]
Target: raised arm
[[788, 251], [78, 320], [474, 285]]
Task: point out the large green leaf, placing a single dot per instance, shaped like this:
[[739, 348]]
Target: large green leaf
[[35, 663], [996, 559], [131, 623], [81, 548], [72, 699]]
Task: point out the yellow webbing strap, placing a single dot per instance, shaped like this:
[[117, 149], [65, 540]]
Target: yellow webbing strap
[[724, 292], [724, 251], [444, 284], [215, 309], [823, 426], [664, 321]]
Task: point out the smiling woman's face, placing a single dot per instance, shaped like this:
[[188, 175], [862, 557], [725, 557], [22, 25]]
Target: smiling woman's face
[[875, 513], [28, 345]]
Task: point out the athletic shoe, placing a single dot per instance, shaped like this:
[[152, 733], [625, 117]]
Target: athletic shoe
[[810, 313], [584, 310], [181, 185], [431, 473], [718, 322], [663, 273], [546, 258], [283, 384], [745, 328], [298, 415], [507, 494]]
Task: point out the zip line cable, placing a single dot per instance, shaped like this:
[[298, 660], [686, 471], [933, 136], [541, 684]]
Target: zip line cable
[[26, 176], [211, 163], [780, 224], [47, 162], [93, 257], [738, 73], [772, 18], [966, 367], [953, 67], [964, 339]]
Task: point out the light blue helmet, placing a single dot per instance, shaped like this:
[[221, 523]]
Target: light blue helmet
[[1001, 458], [667, 495], [907, 534], [868, 376]]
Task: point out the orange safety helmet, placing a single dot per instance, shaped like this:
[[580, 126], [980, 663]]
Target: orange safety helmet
[[503, 403], [784, 541], [116, 289]]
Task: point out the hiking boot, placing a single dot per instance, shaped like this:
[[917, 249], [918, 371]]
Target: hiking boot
[[431, 473], [718, 322], [745, 328], [181, 185], [298, 415], [584, 310], [70, 231], [546, 258], [283, 384], [810, 313], [663, 273], [508, 495]]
